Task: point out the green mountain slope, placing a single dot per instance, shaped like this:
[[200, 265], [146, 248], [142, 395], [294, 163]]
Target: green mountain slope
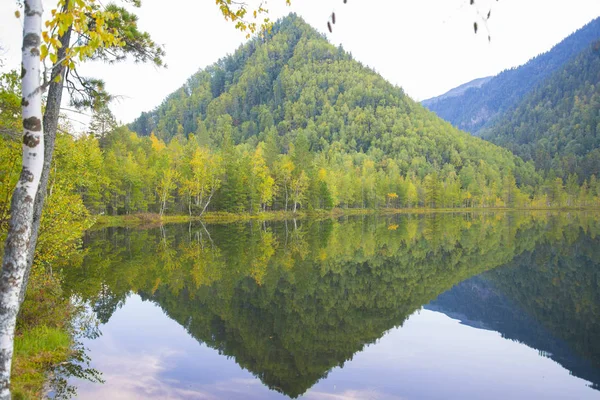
[[558, 124], [294, 84], [477, 108]]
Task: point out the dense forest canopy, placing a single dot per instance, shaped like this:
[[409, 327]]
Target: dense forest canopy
[[479, 107]]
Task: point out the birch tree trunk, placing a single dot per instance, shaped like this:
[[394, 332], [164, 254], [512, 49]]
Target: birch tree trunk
[[14, 263], [286, 195], [208, 201], [295, 200], [50, 124]]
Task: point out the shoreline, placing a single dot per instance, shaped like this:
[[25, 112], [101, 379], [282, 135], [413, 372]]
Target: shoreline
[[148, 220]]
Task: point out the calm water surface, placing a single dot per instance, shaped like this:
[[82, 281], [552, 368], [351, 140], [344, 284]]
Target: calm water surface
[[494, 306]]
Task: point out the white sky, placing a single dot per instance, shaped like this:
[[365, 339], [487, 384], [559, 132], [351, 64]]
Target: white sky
[[425, 46]]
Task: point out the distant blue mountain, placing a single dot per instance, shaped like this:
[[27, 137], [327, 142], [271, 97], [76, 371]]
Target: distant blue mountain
[[480, 104]]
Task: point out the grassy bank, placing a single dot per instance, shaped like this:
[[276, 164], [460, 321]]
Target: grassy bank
[[148, 220], [43, 338], [37, 350]]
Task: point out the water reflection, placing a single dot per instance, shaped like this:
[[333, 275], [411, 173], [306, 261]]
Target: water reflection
[[291, 302]]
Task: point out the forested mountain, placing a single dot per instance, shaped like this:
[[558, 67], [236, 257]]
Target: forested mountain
[[557, 125], [478, 107], [306, 99], [287, 122]]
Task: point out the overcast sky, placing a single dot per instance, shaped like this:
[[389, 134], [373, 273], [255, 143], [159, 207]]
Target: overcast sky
[[425, 46]]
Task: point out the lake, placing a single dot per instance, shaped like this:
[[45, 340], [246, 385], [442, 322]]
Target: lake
[[436, 306]]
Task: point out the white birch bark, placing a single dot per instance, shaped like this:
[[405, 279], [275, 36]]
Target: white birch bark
[[14, 262], [214, 186]]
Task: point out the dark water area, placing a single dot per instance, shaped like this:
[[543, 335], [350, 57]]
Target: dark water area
[[440, 306]]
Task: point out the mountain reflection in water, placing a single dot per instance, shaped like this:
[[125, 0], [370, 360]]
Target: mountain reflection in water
[[333, 308]]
